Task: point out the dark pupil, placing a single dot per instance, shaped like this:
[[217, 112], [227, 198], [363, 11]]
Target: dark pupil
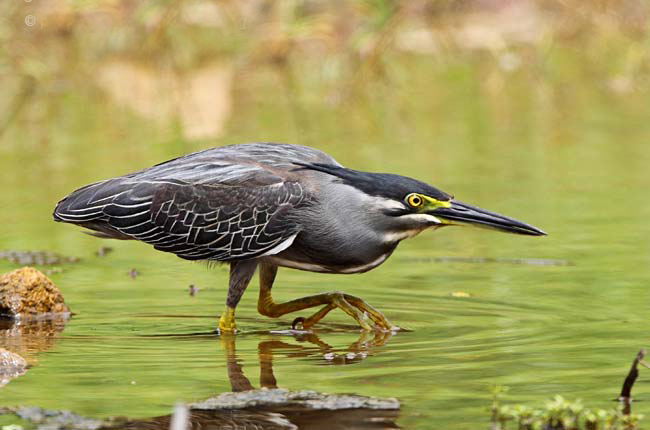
[[415, 200]]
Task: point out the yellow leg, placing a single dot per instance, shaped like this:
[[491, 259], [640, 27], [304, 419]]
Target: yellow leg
[[363, 313], [227, 321]]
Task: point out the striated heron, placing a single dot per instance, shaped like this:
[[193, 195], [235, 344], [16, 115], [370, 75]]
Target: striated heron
[[268, 205]]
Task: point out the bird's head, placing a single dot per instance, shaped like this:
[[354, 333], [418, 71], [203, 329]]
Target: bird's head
[[421, 208], [407, 206]]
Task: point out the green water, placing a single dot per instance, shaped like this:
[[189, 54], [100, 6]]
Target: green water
[[571, 159]]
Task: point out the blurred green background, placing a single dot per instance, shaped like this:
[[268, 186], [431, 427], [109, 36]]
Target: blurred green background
[[536, 109]]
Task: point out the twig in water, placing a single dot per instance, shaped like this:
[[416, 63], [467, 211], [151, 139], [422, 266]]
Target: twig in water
[[626, 391]]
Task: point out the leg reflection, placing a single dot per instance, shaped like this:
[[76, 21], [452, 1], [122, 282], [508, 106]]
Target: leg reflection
[[238, 381], [309, 345]]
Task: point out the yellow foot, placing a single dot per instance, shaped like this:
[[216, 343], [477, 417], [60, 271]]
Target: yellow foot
[[227, 321], [365, 315], [380, 322]]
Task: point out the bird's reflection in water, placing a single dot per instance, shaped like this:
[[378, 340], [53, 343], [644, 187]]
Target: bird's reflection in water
[[260, 414], [310, 345]]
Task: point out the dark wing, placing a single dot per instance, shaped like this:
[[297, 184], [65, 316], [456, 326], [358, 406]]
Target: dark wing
[[193, 221]]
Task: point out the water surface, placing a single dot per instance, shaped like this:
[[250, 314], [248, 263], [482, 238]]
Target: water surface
[[575, 167]]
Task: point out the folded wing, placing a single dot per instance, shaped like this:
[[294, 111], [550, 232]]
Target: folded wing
[[194, 221]]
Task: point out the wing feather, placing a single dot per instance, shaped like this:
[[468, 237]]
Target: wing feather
[[194, 221]]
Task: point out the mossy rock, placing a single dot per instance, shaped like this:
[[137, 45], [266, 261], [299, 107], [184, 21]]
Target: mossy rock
[[28, 293]]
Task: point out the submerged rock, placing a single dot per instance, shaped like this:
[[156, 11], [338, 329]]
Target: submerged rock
[[39, 258], [26, 292], [56, 420], [271, 409], [307, 398], [11, 366]]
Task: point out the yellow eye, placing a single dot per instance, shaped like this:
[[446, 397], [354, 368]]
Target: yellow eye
[[414, 200]]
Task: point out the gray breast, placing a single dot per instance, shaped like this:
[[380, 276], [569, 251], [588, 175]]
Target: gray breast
[[339, 233]]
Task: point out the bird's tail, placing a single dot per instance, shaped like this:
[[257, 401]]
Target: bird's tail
[[85, 207], [82, 205]]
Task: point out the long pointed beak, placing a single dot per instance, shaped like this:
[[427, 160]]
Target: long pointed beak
[[462, 213]]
